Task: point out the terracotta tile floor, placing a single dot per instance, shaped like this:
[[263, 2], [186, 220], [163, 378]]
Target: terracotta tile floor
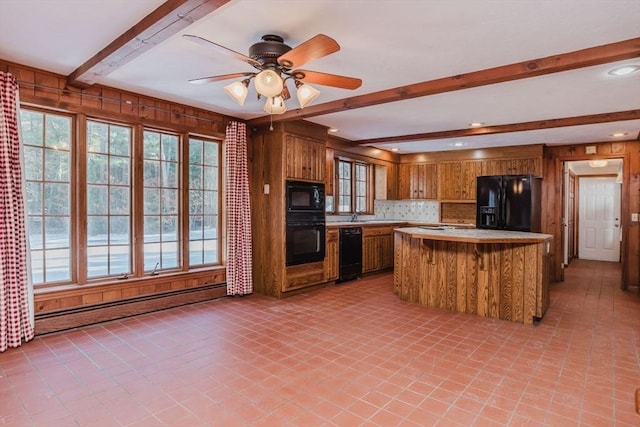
[[349, 355]]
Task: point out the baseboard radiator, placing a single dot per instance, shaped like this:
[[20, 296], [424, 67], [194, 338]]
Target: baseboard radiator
[[88, 315]]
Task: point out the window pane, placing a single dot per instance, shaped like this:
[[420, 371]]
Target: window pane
[[151, 229], [58, 132], [56, 199], [203, 202], [32, 127], [97, 199], [33, 158], [97, 229], [47, 156], [97, 261], [58, 267], [56, 232]]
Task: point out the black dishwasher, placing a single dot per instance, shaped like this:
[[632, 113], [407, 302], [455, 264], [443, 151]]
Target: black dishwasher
[[350, 253]]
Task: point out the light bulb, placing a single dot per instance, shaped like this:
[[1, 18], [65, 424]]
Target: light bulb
[[269, 83], [275, 105], [306, 94], [238, 91]]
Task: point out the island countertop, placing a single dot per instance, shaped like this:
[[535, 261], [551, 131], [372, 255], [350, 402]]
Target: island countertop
[[472, 235], [491, 273]]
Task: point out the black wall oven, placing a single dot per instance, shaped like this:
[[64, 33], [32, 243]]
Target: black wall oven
[[305, 222], [305, 238]]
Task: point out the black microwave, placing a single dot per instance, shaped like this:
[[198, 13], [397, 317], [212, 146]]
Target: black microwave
[[305, 196]]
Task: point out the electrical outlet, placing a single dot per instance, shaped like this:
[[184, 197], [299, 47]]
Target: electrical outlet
[[634, 217]]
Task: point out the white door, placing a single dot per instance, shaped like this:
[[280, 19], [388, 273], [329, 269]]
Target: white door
[[599, 219]]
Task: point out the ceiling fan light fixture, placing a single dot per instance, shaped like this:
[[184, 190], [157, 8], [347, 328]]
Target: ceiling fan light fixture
[[306, 94], [238, 91], [275, 105], [269, 83], [598, 163]]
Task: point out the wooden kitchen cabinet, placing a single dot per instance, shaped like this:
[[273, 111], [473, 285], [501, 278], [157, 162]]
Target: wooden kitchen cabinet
[[291, 150], [377, 248], [458, 179], [331, 258], [525, 166], [303, 275], [418, 181], [330, 171], [305, 158]]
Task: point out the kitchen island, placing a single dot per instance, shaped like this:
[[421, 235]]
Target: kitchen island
[[491, 273]]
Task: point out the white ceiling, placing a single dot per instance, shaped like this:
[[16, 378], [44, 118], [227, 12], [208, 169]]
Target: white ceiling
[[386, 43]]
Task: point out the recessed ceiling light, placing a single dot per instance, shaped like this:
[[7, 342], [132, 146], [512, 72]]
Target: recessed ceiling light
[[619, 134], [624, 70], [334, 130], [395, 149], [598, 163], [476, 124], [458, 144]]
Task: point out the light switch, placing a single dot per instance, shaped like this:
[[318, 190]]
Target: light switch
[[266, 189], [634, 217]]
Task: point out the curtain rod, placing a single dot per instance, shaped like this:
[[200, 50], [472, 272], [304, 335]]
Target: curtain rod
[[115, 100]]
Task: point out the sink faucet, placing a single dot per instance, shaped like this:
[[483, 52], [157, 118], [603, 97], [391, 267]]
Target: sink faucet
[[354, 218]]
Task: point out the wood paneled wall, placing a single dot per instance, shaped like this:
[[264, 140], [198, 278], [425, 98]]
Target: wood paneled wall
[[552, 183], [47, 89]]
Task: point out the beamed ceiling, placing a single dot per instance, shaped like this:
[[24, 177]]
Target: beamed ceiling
[[533, 72]]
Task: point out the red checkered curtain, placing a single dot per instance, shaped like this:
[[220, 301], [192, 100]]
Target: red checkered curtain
[[239, 278], [16, 322]]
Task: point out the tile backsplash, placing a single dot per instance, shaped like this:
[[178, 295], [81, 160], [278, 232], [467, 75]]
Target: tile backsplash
[[407, 210]]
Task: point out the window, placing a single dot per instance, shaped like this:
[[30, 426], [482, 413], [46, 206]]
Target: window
[[108, 199], [354, 181], [344, 186], [204, 197], [119, 206], [161, 237], [47, 155]]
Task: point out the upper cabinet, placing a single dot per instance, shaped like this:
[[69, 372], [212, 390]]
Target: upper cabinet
[[305, 158], [418, 181], [526, 166], [458, 179]]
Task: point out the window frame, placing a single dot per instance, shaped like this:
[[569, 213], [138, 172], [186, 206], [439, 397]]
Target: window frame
[[354, 195], [73, 232], [220, 207], [78, 263]]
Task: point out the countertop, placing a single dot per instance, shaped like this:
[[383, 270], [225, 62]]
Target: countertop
[[363, 223], [473, 235]]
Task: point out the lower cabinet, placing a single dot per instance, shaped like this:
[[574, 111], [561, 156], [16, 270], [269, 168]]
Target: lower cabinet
[[331, 259], [300, 276], [377, 248]]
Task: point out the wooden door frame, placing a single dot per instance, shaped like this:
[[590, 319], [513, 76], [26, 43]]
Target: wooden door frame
[[625, 213]]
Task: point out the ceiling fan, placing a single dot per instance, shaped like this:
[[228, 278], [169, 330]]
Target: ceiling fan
[[276, 63]]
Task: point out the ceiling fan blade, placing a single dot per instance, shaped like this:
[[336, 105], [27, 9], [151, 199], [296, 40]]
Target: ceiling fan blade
[[326, 79], [314, 48], [221, 49], [218, 78]]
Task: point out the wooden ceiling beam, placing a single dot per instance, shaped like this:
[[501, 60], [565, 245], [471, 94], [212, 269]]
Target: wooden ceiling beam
[[168, 19], [536, 67], [514, 127]]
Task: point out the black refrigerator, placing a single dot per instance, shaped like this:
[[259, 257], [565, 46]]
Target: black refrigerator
[[508, 202]]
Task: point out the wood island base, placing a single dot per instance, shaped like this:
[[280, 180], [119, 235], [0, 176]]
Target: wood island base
[[497, 274]]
